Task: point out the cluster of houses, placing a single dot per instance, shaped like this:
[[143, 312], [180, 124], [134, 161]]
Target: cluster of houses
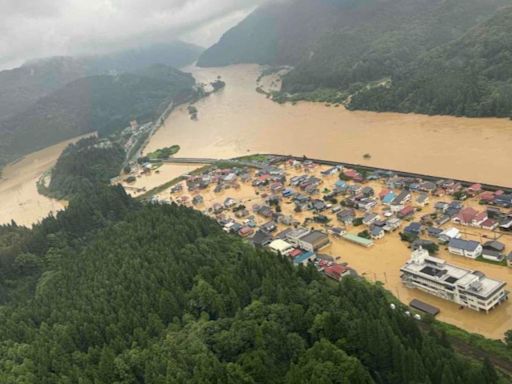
[[348, 208]]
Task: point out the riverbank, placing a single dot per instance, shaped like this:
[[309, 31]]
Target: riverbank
[[239, 121], [20, 200]]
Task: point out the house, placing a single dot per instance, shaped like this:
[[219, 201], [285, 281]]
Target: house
[[448, 234], [229, 202], [312, 241], [197, 199], [490, 224], [392, 224], [318, 205], [336, 271], [281, 247], [506, 223], [377, 233], [434, 232], [470, 217], [503, 200], [368, 191], [491, 255], [346, 216], [406, 212], [304, 258], [288, 192], [261, 238], [494, 245], [474, 189], [402, 198], [245, 231], [331, 171], [441, 206], [467, 248], [388, 198], [420, 243], [413, 229], [422, 199], [509, 259], [370, 218], [366, 204], [269, 226], [336, 231]]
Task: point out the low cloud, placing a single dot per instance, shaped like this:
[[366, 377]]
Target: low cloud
[[41, 28]]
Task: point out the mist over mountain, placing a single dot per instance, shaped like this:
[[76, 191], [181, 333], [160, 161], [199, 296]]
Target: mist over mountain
[[371, 49], [23, 86]]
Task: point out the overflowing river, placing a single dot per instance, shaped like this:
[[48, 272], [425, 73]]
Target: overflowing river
[[19, 199], [238, 121]]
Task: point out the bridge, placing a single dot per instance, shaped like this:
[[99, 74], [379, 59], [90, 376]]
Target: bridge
[[189, 160]]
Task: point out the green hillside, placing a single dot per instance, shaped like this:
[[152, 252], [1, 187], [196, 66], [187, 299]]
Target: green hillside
[[113, 292], [361, 48], [101, 103], [23, 86], [471, 76]]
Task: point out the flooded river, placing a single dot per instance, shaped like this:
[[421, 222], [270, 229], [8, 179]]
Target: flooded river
[[19, 199], [238, 121]]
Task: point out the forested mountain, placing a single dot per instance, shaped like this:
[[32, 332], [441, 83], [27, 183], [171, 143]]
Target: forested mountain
[[361, 47], [85, 165], [100, 103], [113, 292], [23, 86], [471, 76]]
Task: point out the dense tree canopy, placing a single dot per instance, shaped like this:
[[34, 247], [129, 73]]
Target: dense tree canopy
[[428, 56], [85, 165]]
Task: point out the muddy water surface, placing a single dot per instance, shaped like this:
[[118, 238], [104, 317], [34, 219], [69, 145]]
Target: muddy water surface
[[239, 121], [19, 199]]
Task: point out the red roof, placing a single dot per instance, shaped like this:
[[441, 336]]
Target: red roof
[[487, 196], [467, 215], [335, 271], [406, 211], [475, 187], [296, 252], [489, 223], [384, 192]]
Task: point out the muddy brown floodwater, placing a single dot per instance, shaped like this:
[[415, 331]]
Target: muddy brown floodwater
[[19, 199], [383, 261], [239, 121]]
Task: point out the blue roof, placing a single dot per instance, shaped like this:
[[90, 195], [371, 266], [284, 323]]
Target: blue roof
[[467, 245], [302, 258], [340, 183], [388, 198]]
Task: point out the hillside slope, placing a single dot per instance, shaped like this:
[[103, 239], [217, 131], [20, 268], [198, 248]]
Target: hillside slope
[[96, 103], [350, 46], [23, 86], [113, 292], [471, 76]]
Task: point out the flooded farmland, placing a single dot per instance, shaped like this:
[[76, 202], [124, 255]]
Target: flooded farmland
[[239, 121]]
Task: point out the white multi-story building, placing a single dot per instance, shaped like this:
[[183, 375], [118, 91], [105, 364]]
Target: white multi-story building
[[465, 287]]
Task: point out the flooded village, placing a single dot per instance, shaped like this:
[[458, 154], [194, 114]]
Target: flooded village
[[365, 224], [346, 221]]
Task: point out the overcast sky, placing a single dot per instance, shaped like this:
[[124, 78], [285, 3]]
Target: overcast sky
[[39, 28]]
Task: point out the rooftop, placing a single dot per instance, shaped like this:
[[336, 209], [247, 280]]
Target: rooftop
[[435, 269]]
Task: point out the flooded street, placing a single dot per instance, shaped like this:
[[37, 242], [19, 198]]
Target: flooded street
[[239, 121], [382, 262], [19, 199]]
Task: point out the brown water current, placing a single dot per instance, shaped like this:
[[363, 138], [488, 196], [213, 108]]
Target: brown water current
[[19, 199], [239, 121]]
